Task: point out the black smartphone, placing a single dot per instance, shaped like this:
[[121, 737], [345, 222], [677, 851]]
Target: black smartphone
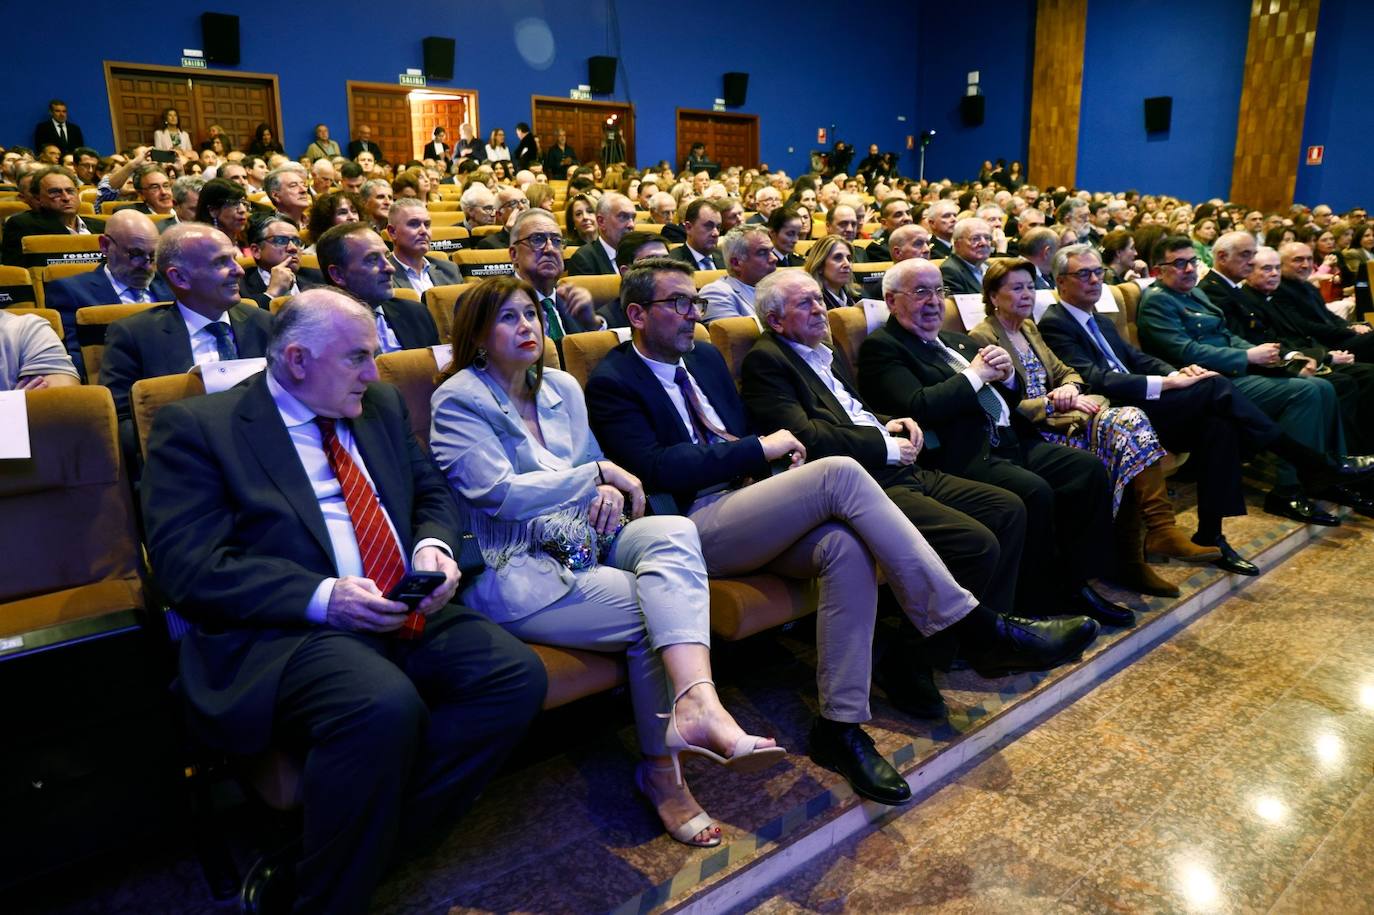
[[163, 155], [415, 587]]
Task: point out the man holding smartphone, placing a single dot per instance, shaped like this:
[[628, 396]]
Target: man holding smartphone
[[279, 514]]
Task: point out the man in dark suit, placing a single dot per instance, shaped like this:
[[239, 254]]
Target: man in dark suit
[[363, 144], [256, 538], [896, 212], [634, 246], [206, 323], [536, 251], [55, 191], [155, 187], [790, 379], [667, 410], [57, 129], [560, 158], [354, 258], [1302, 307], [409, 223], [700, 249], [615, 215], [963, 270], [527, 152], [844, 222], [965, 397], [1192, 409], [128, 275], [275, 242], [939, 219]]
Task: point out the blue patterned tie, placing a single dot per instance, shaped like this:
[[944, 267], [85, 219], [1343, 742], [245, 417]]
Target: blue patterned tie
[[987, 397], [224, 340]]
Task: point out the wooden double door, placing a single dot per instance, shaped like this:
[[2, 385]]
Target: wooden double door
[[403, 119], [237, 102], [585, 123], [731, 139]]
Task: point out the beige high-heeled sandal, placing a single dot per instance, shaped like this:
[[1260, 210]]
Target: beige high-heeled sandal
[[687, 832], [747, 755]]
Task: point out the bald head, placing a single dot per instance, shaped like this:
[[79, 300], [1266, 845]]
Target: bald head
[[129, 245], [909, 241]]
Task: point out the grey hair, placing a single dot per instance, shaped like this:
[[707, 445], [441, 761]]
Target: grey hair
[[965, 226], [532, 213], [603, 206], [474, 195], [185, 185], [989, 209], [307, 317], [1227, 241], [771, 293], [1060, 265], [370, 187], [401, 204], [736, 241], [901, 272], [272, 182]]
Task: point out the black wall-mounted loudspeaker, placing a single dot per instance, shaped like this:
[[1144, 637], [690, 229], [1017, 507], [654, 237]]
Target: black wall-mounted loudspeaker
[[1159, 111], [736, 88], [438, 57], [219, 38], [601, 74], [971, 110]]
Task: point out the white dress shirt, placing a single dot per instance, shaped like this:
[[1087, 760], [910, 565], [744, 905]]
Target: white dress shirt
[[343, 540], [820, 359], [610, 252], [127, 294], [204, 347], [420, 280], [664, 373], [1153, 383]]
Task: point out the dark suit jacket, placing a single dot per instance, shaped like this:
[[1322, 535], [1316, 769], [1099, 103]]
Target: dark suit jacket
[[155, 342], [939, 248], [239, 544], [685, 255], [495, 241], [590, 260], [444, 273], [68, 294], [411, 322], [553, 162], [44, 132], [252, 287], [1072, 344], [21, 225], [641, 430], [1263, 322], [357, 146], [1299, 305], [673, 234], [904, 376], [782, 392], [876, 253], [527, 153], [959, 277]]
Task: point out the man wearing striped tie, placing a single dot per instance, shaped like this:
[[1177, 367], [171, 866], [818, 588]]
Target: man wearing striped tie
[[129, 275], [277, 513]]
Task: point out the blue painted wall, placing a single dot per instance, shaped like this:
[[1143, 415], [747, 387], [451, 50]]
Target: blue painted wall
[[953, 39], [799, 78], [1136, 49], [1340, 115]]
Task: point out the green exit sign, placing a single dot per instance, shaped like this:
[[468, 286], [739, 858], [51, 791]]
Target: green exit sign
[[194, 63], [412, 79]]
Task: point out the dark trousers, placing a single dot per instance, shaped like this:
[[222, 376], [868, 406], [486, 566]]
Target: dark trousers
[[977, 529], [399, 738], [1354, 386], [1068, 505]]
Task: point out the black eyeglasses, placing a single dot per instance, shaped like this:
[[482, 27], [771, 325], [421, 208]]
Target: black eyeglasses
[[682, 303], [1086, 274], [924, 294], [281, 241], [134, 254], [1182, 263], [538, 241]]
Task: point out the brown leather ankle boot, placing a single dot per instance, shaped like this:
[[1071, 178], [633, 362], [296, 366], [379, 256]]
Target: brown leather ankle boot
[[1163, 537]]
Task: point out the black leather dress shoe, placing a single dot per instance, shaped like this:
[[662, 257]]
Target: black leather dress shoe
[[1348, 495], [1335, 471], [1231, 561], [910, 687], [269, 887], [1023, 645], [1299, 508], [848, 750], [1089, 603]]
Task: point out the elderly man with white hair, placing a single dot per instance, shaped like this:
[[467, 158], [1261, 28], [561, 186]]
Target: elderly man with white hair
[[322, 177], [479, 205], [766, 200], [963, 269], [749, 257]]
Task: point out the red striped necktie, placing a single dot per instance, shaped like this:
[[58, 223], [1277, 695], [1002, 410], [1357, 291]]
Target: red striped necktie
[[381, 554]]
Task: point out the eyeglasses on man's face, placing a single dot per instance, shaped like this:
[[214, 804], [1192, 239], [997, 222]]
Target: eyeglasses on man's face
[[682, 303]]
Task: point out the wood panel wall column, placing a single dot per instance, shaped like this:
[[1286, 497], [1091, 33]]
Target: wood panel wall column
[[1056, 91], [1273, 102]]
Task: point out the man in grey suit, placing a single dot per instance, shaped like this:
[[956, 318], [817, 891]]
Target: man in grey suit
[[748, 258], [536, 250], [615, 215], [129, 275], [354, 258], [206, 322], [416, 268]]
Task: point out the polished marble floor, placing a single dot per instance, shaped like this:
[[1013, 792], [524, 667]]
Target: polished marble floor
[[1230, 770]]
